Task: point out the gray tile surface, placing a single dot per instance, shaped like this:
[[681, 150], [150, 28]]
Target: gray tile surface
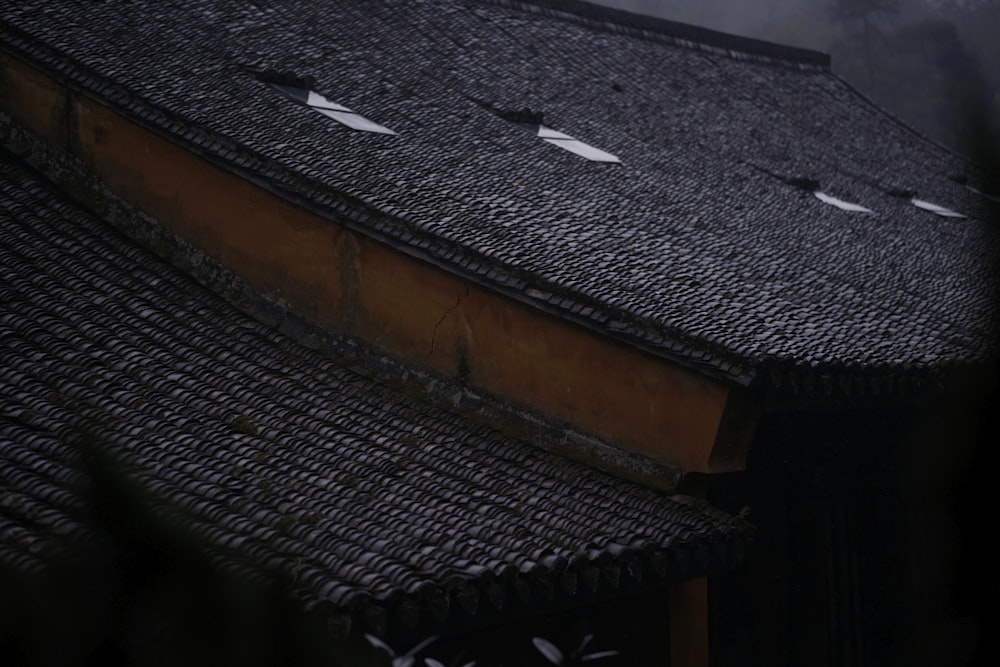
[[696, 247]]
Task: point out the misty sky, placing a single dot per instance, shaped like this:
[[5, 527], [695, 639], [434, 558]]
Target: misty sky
[[807, 23], [936, 62], [774, 20], [736, 16]]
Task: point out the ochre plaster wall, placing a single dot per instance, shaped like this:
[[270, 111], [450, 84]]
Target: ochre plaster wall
[[33, 99], [353, 284]]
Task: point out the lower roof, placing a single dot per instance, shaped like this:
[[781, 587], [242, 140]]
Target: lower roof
[[275, 458]]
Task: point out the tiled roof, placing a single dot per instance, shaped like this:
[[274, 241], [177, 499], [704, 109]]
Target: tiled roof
[[277, 458], [706, 244]]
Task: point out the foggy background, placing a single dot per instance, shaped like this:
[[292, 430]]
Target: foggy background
[[933, 63]]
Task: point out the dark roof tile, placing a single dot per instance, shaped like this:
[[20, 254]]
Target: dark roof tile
[[713, 131], [275, 456]]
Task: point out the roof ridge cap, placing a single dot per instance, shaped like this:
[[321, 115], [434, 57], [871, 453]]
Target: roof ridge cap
[[954, 153], [684, 35]]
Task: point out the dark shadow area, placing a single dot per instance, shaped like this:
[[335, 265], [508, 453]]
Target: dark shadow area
[[130, 584]]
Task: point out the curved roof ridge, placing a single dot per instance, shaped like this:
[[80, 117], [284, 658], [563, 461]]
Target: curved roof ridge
[[673, 32], [866, 98]]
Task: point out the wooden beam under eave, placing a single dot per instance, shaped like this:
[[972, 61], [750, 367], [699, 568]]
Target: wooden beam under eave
[[688, 609], [354, 284], [736, 431]]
